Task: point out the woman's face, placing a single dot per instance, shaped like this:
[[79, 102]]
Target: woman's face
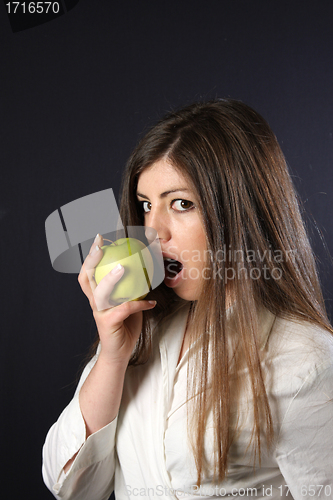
[[171, 208]]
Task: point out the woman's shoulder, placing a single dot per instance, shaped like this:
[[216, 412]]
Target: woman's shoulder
[[299, 350], [291, 333]]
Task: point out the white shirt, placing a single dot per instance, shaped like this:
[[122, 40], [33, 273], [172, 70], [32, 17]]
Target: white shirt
[[144, 452]]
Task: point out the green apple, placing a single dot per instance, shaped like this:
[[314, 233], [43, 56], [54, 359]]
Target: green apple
[[137, 261]]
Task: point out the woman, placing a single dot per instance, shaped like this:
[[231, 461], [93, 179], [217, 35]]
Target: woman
[[224, 385]]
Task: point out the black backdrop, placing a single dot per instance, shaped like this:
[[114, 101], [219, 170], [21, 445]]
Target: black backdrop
[[76, 93]]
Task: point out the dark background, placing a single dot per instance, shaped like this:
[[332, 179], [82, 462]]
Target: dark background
[[76, 94]]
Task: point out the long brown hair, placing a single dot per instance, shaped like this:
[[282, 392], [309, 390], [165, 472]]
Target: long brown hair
[[250, 211]]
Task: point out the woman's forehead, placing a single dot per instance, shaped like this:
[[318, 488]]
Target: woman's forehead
[[163, 174]]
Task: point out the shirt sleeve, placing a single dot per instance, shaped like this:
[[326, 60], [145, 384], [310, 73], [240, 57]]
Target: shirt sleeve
[[92, 472], [305, 444]]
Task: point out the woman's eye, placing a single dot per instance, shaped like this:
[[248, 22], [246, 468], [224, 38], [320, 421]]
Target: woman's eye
[[146, 205], [182, 205]]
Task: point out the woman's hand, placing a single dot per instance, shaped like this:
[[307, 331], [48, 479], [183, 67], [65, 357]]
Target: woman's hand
[[119, 327]]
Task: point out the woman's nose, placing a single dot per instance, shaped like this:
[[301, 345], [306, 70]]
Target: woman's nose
[[157, 226], [151, 234]]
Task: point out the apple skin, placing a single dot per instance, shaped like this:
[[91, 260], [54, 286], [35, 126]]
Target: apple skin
[[133, 284]]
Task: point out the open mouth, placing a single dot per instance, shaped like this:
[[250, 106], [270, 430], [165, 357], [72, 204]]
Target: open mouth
[[172, 268]]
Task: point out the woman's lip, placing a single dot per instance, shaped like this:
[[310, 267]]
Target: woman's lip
[[172, 282], [171, 256]]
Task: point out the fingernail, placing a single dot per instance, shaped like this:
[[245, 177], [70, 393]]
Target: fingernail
[[117, 269], [153, 302], [96, 238], [94, 250]]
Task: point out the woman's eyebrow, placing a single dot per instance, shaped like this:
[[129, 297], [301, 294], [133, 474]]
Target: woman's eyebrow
[[165, 193]]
